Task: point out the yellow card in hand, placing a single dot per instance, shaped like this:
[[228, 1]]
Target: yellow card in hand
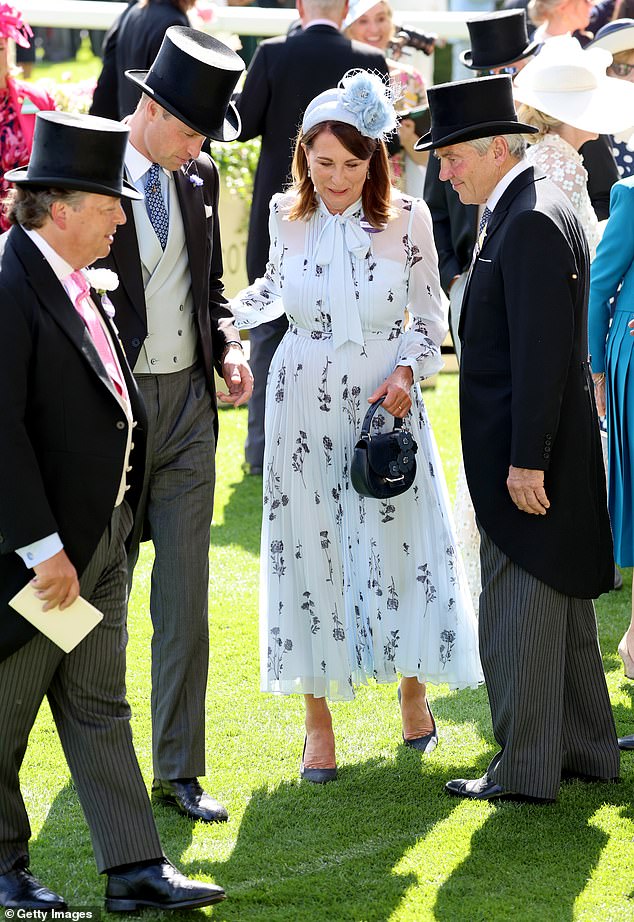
[[65, 628]]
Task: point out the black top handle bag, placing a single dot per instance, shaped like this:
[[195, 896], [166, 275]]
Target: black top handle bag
[[384, 464]]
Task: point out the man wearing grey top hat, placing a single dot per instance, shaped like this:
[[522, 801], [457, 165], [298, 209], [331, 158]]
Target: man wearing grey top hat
[[68, 409], [176, 327], [532, 453]]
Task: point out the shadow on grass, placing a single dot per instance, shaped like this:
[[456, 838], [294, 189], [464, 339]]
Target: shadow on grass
[[531, 862], [242, 516]]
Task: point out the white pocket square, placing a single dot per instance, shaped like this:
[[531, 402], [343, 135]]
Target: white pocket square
[[209, 210]]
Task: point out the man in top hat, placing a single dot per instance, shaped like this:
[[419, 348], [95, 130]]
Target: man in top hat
[[285, 74], [68, 408], [527, 417], [499, 44], [176, 328]]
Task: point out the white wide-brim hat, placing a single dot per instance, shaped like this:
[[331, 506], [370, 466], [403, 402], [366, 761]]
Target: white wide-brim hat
[[571, 85], [615, 36]]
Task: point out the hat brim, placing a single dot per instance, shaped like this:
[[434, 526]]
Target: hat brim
[[483, 130], [229, 130], [615, 42], [606, 109], [21, 177], [466, 58]]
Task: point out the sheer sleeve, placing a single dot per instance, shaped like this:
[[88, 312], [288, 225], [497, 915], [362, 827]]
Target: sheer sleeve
[[427, 326], [564, 166], [262, 301]]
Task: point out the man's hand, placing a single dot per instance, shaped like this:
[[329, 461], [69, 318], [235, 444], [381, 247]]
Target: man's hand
[[526, 488], [55, 581], [238, 377]]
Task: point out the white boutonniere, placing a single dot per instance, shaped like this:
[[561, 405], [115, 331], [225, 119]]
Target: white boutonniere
[[103, 281]]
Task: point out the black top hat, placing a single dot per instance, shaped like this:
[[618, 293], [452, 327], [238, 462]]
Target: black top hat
[[470, 109], [193, 77], [84, 153], [498, 40]]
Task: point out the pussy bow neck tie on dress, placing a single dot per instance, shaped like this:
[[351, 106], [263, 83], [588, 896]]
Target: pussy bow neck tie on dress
[[339, 238]]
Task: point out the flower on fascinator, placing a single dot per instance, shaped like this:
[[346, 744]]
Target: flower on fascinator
[[367, 96], [13, 26]]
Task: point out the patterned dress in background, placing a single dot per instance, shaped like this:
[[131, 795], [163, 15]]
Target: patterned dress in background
[[563, 165], [353, 588]]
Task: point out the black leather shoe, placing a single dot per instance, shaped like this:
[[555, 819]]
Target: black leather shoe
[[626, 742], [189, 798], [19, 889], [484, 789], [157, 886], [316, 775]]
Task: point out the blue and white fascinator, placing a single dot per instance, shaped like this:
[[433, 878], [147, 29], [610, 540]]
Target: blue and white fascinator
[[362, 100]]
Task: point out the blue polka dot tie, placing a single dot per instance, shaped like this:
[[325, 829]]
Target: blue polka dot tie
[[155, 205], [482, 229]]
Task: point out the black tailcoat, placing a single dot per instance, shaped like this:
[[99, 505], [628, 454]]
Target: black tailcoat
[[526, 395], [62, 429]]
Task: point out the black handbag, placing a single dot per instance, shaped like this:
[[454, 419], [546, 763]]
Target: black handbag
[[383, 465]]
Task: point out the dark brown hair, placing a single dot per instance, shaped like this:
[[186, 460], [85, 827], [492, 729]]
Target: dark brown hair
[[31, 206], [377, 189]]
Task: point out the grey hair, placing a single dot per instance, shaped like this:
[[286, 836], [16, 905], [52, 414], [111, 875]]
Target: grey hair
[[31, 207], [516, 145], [326, 9]]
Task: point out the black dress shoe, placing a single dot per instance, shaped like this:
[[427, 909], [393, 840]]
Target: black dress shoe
[[157, 886], [485, 789], [19, 889], [189, 798], [626, 742]]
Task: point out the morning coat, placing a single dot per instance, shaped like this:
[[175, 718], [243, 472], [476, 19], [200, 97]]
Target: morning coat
[[63, 430], [526, 394]]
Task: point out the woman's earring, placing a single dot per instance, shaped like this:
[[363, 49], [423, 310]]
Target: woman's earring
[[367, 175], [308, 172]]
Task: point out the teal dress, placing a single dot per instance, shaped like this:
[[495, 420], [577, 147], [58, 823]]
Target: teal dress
[[611, 346]]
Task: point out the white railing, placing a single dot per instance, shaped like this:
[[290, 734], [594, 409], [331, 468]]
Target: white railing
[[99, 14]]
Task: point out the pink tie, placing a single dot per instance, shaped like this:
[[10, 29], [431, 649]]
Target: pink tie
[[80, 294]]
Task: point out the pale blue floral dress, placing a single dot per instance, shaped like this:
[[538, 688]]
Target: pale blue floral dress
[[353, 587]]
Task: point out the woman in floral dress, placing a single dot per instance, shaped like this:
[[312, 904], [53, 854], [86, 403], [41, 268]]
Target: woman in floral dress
[[353, 588]]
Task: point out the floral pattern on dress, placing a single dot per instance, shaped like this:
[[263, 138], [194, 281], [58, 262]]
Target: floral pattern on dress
[[563, 165], [370, 588]]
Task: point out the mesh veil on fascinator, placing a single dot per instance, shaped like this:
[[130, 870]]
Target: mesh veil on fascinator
[[13, 26], [362, 100]]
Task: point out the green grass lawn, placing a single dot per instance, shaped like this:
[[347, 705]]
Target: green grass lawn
[[384, 842]]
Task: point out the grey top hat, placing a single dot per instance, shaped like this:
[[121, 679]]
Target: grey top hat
[[193, 77], [470, 109], [498, 40], [84, 153]]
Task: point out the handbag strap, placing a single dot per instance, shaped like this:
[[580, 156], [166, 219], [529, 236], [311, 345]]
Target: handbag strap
[[367, 420]]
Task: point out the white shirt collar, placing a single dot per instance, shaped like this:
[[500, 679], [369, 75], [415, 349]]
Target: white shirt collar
[[322, 22], [58, 264], [137, 164], [505, 182]]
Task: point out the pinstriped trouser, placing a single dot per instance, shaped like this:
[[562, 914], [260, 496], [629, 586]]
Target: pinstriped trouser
[[549, 700], [86, 693], [177, 502]]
